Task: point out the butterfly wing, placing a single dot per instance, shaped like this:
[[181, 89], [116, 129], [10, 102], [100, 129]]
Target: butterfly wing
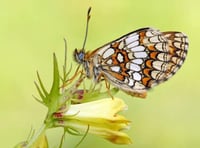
[[141, 59], [178, 45]]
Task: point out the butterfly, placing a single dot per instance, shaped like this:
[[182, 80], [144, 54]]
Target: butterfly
[[137, 61]]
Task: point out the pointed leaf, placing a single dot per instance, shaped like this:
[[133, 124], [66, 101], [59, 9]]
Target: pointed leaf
[[38, 100], [40, 92], [41, 85], [55, 86]]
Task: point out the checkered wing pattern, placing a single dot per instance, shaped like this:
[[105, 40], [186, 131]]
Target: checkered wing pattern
[[141, 59]]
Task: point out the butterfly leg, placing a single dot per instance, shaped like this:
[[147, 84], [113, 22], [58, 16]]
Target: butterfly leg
[[100, 78], [77, 72], [108, 88]]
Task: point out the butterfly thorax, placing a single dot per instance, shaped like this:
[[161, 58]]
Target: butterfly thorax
[[90, 65]]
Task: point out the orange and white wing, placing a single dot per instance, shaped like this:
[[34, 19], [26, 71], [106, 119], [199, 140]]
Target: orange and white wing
[[141, 59]]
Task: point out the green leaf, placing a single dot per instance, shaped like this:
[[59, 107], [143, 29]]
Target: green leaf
[[38, 100], [41, 85], [40, 92], [55, 86]]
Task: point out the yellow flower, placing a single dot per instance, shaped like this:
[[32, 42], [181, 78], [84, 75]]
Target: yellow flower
[[100, 117]]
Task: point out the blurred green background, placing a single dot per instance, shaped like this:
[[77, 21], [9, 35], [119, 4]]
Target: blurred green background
[[31, 30]]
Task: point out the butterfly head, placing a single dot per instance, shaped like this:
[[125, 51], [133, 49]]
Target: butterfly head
[[79, 56]]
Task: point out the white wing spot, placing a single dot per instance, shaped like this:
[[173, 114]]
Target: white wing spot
[[154, 39], [126, 80], [134, 67], [133, 44], [137, 48], [140, 54], [186, 47], [108, 53], [121, 45], [149, 34], [139, 85], [161, 47], [109, 62], [115, 68], [131, 82], [131, 39], [137, 76], [120, 57], [130, 55], [178, 39], [130, 73], [163, 56], [181, 53], [133, 34], [157, 74], [137, 61], [102, 50], [177, 44], [159, 65]]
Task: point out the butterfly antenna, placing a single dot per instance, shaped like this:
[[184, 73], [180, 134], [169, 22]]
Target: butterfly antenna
[[86, 31]]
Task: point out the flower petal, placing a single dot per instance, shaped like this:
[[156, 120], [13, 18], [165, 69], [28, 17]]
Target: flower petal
[[100, 116]]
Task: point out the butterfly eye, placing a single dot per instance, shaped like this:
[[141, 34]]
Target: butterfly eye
[[79, 56]]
